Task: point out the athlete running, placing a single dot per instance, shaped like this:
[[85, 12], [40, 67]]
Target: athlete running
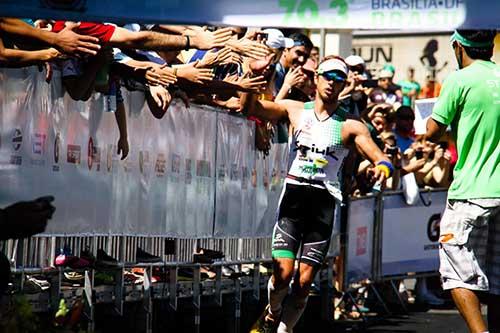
[[322, 137]]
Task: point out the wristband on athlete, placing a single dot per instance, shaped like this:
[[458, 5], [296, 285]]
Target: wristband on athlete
[[386, 167]]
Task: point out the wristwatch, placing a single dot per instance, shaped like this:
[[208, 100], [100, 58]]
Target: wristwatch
[[188, 43]]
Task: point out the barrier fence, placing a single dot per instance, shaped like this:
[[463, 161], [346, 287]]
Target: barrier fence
[[387, 239]]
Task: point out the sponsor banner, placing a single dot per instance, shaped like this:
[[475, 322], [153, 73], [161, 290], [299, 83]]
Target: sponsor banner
[[360, 239], [53, 145], [336, 14], [410, 234]]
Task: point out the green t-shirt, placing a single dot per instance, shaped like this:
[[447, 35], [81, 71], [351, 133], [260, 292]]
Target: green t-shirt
[[406, 87], [470, 102]]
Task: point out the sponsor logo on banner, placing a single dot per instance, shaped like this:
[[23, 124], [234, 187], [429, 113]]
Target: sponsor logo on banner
[[143, 161], [176, 163], [57, 148], [97, 158], [189, 171], [221, 173], [160, 165], [202, 168], [433, 232], [57, 151], [235, 172], [90, 153], [17, 139], [16, 160], [38, 143], [361, 240], [73, 154], [38, 147]]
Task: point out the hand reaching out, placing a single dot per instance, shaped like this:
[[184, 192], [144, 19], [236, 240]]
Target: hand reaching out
[[160, 75], [192, 73], [122, 147], [72, 43]]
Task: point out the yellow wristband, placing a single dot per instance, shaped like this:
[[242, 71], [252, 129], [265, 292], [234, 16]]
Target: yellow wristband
[[384, 169]]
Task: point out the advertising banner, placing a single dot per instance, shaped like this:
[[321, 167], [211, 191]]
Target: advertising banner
[[333, 14], [410, 234], [360, 239]]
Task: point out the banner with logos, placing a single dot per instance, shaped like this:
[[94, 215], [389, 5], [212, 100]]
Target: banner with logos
[[330, 14], [410, 234], [195, 173], [360, 247]]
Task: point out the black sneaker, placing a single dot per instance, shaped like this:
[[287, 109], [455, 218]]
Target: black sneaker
[[142, 256], [264, 324], [105, 260]]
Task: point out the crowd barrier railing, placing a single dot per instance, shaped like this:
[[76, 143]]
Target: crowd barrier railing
[[388, 239]]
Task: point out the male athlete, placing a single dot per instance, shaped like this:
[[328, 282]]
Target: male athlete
[[322, 138], [470, 227]]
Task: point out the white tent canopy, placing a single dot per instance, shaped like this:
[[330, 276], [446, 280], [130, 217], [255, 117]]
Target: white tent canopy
[[331, 14]]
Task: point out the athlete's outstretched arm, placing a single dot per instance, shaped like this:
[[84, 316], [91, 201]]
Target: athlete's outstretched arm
[[263, 109], [356, 133]]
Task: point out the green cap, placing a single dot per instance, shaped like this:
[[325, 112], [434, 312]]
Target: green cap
[[457, 37]]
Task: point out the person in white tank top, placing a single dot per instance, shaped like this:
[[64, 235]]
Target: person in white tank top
[[323, 135]]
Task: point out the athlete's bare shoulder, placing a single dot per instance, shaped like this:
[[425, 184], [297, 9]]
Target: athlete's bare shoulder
[[294, 110]]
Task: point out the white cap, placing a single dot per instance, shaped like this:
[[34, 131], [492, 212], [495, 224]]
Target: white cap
[[333, 65], [354, 60], [384, 73], [276, 39]]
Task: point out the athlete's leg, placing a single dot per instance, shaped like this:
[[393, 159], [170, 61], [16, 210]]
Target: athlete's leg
[[278, 285], [296, 303], [316, 240], [286, 241]]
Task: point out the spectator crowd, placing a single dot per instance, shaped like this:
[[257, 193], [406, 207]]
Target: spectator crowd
[[214, 66]]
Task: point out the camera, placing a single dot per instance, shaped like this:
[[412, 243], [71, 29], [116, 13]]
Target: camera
[[419, 154]]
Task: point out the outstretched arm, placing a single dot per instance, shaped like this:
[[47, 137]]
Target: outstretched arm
[[20, 58], [355, 133], [263, 109], [66, 40]]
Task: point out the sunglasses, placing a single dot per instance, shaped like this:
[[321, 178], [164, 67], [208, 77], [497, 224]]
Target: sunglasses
[[333, 76]]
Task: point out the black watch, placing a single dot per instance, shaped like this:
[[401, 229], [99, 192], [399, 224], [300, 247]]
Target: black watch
[[188, 43]]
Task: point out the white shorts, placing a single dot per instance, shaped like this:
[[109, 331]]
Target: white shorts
[[469, 251]]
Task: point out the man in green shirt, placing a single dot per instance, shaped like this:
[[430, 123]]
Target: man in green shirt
[[470, 226], [410, 88]]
